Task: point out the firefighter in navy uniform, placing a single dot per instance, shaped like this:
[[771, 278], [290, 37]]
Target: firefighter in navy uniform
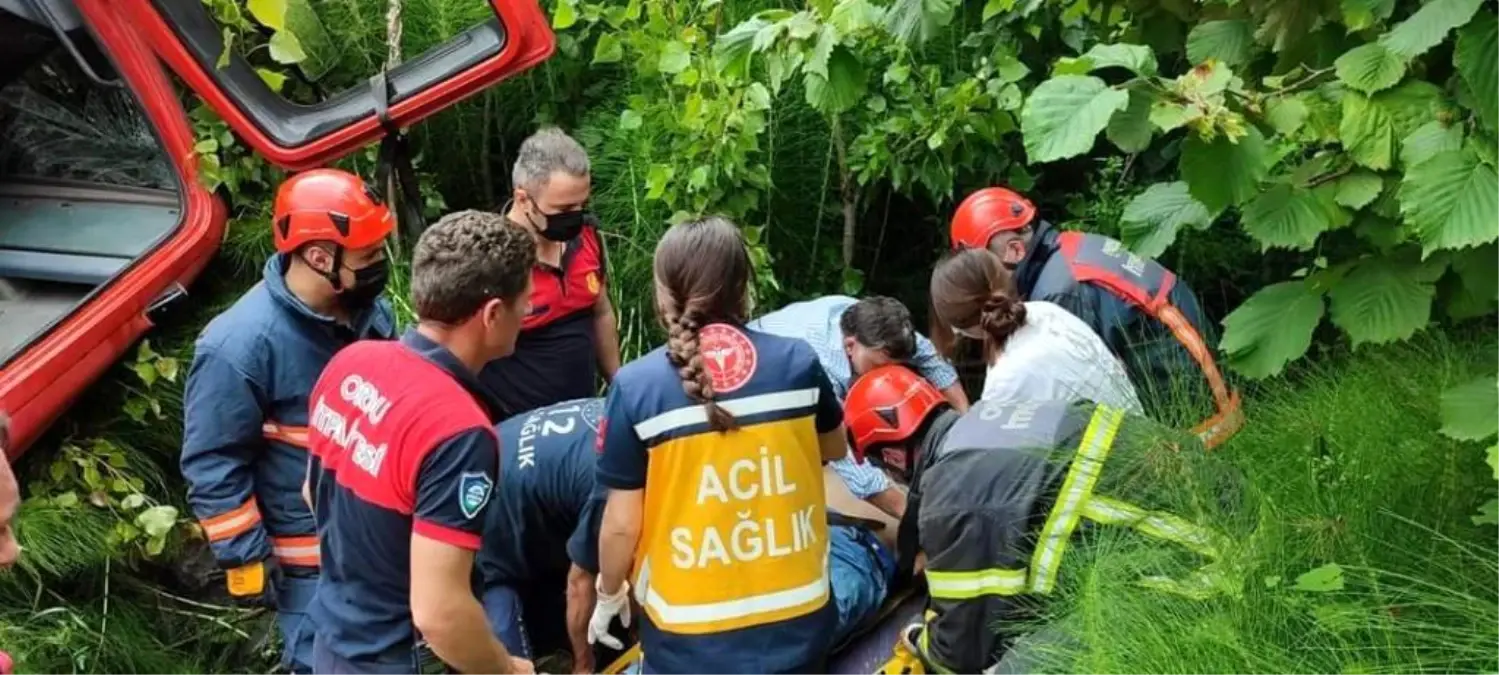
[[244, 445], [1146, 315], [997, 493], [541, 542], [403, 462], [712, 449]]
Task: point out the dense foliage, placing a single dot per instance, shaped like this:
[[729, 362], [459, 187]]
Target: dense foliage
[[1293, 160]]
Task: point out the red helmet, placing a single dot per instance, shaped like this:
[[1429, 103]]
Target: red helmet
[[988, 212], [328, 205], [886, 406]]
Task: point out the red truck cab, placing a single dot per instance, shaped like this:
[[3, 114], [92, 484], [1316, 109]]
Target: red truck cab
[[102, 216]]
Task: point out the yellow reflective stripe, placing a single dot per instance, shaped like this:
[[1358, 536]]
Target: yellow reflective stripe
[[1156, 524], [1087, 464], [968, 585]]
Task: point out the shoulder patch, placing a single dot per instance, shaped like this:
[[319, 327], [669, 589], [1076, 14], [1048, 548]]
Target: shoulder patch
[[474, 489], [728, 356]]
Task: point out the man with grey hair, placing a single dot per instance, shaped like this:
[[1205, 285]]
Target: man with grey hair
[[571, 335]]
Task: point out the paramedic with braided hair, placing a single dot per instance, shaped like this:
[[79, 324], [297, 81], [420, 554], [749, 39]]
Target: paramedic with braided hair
[[712, 449]]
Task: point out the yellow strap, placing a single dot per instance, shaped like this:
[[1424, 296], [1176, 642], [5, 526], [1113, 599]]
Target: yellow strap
[[1082, 476], [619, 665], [969, 585]]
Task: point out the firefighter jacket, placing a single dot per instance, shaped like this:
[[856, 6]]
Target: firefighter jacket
[[1147, 316], [244, 441], [997, 497]]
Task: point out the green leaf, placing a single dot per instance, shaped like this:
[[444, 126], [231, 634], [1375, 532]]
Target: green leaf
[[157, 521], [1468, 410], [1361, 14], [322, 48], [801, 25], [1324, 579], [608, 49], [1169, 115], [1381, 300], [168, 367], [1230, 42], [675, 57], [732, 49], [1428, 26], [271, 78], [1137, 59], [66, 499], [994, 8], [1286, 114], [629, 120], [146, 372], [1063, 116], [1488, 514], [1370, 68], [1367, 132], [1289, 217], [916, 21], [844, 86], [1358, 188], [827, 39], [1152, 219], [1430, 140], [656, 179], [1130, 128], [1222, 173], [1451, 202], [1479, 274], [1010, 69], [1272, 328], [227, 37], [566, 14], [285, 48], [155, 545], [270, 13], [1491, 457], [133, 501], [757, 97], [1477, 59]]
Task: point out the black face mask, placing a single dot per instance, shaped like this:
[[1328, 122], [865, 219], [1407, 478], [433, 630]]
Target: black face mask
[[369, 283], [563, 226]]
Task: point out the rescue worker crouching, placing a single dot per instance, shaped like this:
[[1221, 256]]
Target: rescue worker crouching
[[571, 335], [851, 337], [244, 445], [711, 453], [403, 461], [541, 540], [1147, 316], [998, 492]]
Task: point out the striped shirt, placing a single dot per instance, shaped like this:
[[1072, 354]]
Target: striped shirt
[[816, 323]]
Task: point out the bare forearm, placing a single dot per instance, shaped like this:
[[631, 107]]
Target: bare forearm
[[580, 599], [606, 332], [460, 636], [956, 397], [891, 500]]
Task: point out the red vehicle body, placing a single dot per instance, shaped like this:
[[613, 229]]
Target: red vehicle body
[[109, 296]]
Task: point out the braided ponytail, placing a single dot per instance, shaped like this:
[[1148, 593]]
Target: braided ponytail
[[1001, 316], [684, 352]]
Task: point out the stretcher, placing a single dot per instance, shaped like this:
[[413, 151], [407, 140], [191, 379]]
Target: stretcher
[[873, 648]]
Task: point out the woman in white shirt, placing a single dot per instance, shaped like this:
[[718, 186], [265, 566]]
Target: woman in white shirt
[[1036, 351]]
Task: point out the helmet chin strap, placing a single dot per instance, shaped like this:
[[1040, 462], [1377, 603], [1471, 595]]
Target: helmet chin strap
[[334, 274]]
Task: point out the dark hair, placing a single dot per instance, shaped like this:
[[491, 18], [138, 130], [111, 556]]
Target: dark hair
[[971, 288], [883, 323], [466, 259], [702, 273]]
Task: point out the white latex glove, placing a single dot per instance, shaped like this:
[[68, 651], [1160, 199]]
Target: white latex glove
[[605, 609]]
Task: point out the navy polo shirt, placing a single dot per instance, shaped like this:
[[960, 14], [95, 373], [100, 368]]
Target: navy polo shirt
[[546, 512], [556, 356], [367, 510]]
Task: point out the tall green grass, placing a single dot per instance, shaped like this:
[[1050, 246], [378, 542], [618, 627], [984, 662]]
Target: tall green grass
[[1344, 464]]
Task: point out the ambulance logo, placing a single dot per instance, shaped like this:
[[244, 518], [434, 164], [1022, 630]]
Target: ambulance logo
[[474, 489], [593, 283], [728, 356]]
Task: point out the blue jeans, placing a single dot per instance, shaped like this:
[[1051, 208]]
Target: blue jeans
[[507, 619], [860, 570], [293, 593]]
